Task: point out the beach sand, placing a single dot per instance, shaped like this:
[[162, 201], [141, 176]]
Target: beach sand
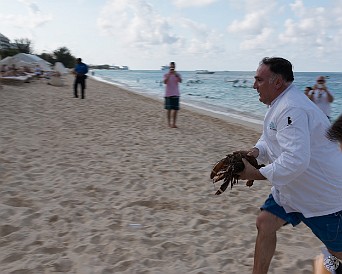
[[102, 185]]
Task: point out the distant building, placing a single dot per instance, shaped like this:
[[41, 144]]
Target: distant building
[[4, 42], [118, 67]]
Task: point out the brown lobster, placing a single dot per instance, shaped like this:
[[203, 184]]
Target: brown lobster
[[228, 167]]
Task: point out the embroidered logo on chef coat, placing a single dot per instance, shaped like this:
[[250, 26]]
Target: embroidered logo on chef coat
[[272, 126], [289, 121]]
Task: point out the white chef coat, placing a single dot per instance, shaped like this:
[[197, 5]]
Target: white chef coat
[[305, 167]]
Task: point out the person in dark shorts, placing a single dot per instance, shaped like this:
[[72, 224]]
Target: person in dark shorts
[[80, 72], [303, 166], [172, 94]]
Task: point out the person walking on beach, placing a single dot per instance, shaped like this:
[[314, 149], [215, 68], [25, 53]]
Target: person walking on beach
[[321, 96], [80, 72], [303, 166], [172, 94]]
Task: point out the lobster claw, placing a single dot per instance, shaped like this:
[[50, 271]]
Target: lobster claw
[[222, 188], [217, 168]]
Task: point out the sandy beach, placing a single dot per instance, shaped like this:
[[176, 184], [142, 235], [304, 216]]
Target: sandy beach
[[102, 185]]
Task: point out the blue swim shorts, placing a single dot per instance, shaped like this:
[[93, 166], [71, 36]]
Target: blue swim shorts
[[327, 228], [172, 102]]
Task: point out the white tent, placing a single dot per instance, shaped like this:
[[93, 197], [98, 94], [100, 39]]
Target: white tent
[[28, 59], [7, 61], [60, 68], [24, 64]]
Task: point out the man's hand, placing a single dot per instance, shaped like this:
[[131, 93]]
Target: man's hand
[[250, 173], [254, 152]]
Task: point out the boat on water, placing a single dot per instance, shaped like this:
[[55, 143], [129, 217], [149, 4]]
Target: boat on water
[[204, 71], [166, 67]]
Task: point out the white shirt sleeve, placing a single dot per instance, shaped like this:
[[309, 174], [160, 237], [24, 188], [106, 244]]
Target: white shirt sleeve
[[261, 145]]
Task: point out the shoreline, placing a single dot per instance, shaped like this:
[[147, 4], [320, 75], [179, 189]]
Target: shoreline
[[232, 119], [102, 185]]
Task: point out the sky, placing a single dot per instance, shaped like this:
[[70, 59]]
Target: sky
[[219, 35]]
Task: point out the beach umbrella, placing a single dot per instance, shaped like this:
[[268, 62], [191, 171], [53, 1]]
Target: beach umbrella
[[59, 67]]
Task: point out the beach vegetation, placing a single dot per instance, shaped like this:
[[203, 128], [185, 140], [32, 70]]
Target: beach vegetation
[[62, 54], [25, 45], [47, 57], [22, 45]]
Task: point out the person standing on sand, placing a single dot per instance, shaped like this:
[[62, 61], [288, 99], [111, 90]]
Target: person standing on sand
[[172, 94], [321, 96], [303, 166], [80, 72]]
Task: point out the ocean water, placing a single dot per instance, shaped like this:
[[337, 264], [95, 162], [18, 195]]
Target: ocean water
[[227, 93]]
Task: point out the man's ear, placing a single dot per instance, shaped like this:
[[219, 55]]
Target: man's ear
[[279, 82]]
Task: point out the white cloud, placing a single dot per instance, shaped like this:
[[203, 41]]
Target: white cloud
[[314, 32], [300, 29], [252, 23], [255, 19], [201, 31], [253, 5], [31, 5], [202, 40], [298, 7], [192, 3], [135, 21], [257, 41], [33, 19], [137, 24], [311, 25]]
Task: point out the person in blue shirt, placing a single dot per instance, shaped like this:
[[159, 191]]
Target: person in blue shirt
[[80, 72]]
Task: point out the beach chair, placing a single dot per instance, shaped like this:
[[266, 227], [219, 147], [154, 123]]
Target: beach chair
[[14, 80]]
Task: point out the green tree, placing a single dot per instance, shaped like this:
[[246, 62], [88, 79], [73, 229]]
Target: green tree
[[64, 56], [8, 52], [47, 57], [23, 45]]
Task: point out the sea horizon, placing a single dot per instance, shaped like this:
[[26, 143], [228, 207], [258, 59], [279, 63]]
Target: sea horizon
[[217, 93]]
